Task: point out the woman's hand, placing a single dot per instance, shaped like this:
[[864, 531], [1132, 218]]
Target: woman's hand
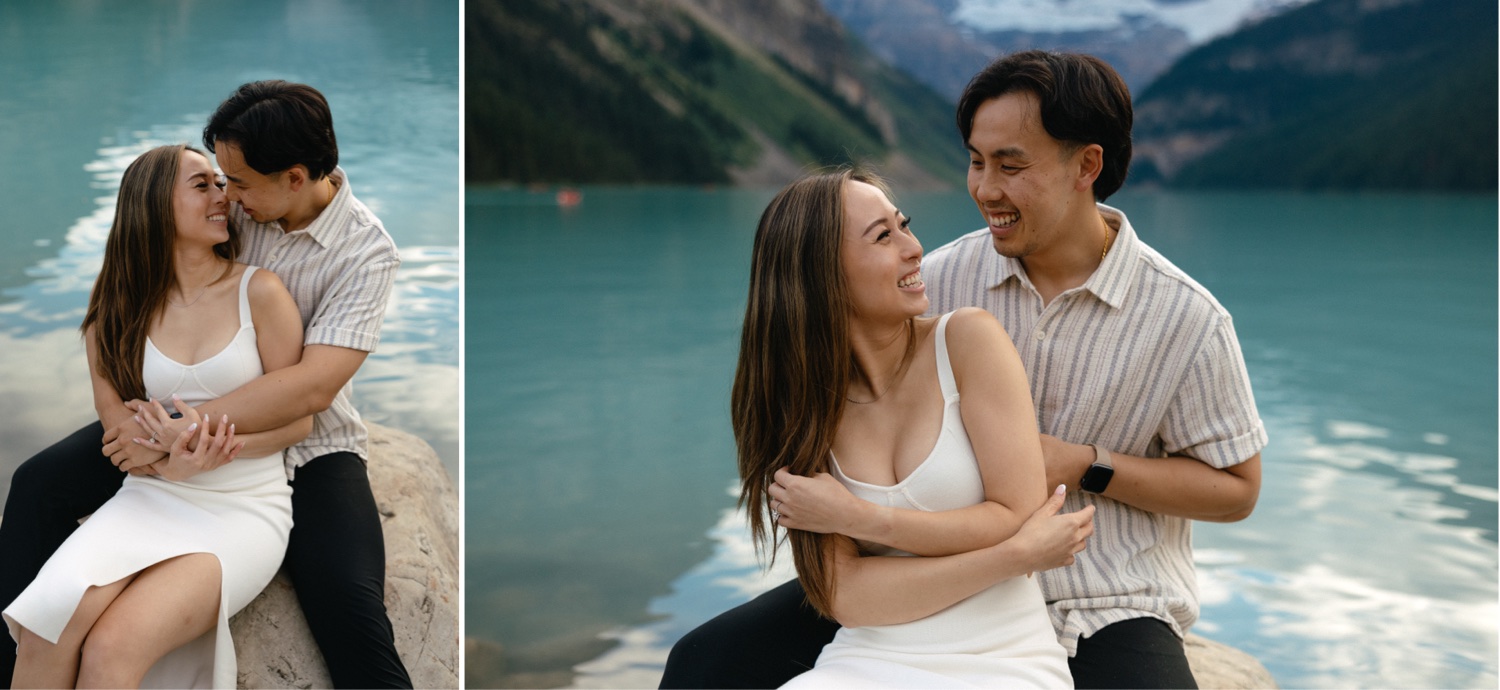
[[1049, 539], [211, 452], [816, 504], [162, 426]]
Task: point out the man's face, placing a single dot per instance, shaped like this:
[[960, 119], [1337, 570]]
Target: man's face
[[265, 198], [1022, 179]]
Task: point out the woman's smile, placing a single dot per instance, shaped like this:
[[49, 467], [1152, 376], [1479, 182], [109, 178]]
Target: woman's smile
[[912, 281]]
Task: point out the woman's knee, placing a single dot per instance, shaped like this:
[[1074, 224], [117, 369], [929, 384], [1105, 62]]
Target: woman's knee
[[146, 620], [107, 652]]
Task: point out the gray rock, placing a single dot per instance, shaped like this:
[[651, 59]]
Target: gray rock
[[1221, 667], [419, 515]]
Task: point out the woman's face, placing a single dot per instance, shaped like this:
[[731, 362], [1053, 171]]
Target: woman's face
[[881, 257], [198, 202]]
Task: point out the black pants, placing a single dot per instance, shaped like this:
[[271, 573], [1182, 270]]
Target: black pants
[[335, 557], [772, 638]]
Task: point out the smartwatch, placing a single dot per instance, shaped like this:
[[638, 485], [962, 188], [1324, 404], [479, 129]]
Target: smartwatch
[[1097, 478]]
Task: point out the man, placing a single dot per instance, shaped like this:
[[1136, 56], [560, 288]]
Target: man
[[275, 144], [1140, 387]]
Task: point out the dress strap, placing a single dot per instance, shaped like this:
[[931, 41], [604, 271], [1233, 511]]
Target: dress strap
[[245, 318], [945, 369]]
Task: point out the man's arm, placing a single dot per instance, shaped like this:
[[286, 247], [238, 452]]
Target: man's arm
[[270, 402], [1211, 432], [278, 339], [1175, 485], [283, 396], [350, 315]]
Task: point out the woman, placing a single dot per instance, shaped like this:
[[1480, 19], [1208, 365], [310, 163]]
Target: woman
[[842, 388], [142, 592]]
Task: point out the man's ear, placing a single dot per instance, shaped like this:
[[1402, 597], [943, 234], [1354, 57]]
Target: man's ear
[[1090, 161], [297, 176]]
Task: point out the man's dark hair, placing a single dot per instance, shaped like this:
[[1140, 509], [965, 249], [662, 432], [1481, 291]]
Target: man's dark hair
[[1083, 101], [277, 124]]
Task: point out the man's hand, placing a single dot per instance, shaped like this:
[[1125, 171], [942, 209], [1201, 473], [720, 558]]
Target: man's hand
[[1066, 462], [120, 448], [816, 504]]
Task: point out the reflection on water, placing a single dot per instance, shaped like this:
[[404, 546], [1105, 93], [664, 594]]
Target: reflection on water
[[730, 576], [1370, 560]]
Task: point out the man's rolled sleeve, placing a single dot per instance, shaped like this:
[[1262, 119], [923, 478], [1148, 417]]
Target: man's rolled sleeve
[[1213, 417], [351, 314]]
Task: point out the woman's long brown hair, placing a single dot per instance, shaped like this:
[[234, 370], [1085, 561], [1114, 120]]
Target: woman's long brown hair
[[139, 267], [796, 361]]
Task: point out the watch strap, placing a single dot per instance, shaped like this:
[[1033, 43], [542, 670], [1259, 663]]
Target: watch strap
[[1101, 456], [1096, 479]]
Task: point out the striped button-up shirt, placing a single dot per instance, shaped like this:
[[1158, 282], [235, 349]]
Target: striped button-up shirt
[[1139, 360], [339, 270]]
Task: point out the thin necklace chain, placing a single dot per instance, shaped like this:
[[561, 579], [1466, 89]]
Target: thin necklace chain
[[201, 293]]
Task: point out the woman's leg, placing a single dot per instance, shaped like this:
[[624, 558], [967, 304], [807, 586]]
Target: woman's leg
[[167, 605], [48, 493], [42, 664]]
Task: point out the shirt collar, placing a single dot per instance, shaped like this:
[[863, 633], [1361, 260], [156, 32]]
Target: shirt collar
[[1110, 282], [322, 229]]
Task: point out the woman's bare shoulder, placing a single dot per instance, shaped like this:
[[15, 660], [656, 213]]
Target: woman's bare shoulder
[[264, 283], [970, 323], [266, 291], [976, 338]]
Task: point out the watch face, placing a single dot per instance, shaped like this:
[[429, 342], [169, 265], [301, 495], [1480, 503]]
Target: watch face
[[1096, 479]]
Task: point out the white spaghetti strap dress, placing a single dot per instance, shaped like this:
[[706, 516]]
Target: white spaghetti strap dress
[[998, 638], [241, 513]]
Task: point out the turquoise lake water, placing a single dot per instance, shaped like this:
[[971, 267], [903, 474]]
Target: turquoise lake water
[[601, 341], [90, 85]]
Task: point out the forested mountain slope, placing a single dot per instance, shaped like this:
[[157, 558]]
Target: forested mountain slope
[[689, 91]]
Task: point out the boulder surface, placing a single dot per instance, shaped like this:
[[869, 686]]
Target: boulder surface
[[419, 516], [1219, 666]]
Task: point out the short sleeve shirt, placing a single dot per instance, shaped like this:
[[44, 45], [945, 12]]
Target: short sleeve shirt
[[339, 270], [1140, 360]]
